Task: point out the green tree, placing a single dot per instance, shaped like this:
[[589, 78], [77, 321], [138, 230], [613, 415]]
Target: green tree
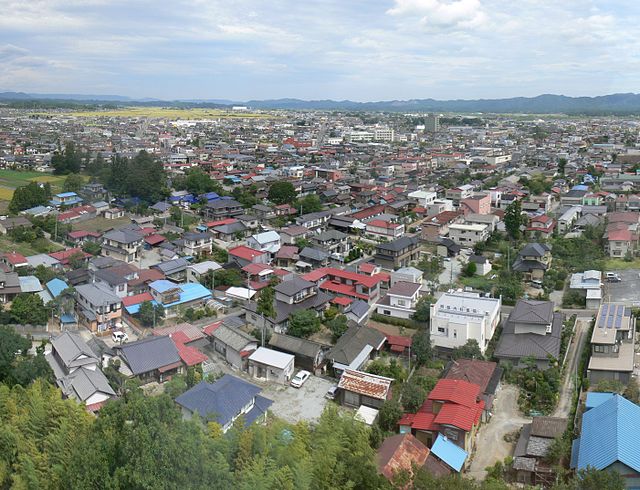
[[513, 219], [423, 309], [197, 182], [29, 309], [303, 323], [150, 314], [227, 277], [562, 163], [338, 326], [421, 347], [92, 248], [282, 192], [470, 269], [390, 413], [593, 479], [30, 195], [309, 204], [67, 161], [265, 302], [413, 396], [470, 350], [73, 183]]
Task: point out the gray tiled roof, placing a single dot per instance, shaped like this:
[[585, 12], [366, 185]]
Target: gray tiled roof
[[150, 354], [293, 286], [70, 346], [295, 345], [96, 295], [232, 337], [353, 341], [540, 347], [123, 236]]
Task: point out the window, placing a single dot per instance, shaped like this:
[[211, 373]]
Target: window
[[455, 334], [441, 330], [599, 349], [401, 302]]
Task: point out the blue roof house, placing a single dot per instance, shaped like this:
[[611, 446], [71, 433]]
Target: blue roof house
[[175, 297], [65, 199], [224, 401], [610, 439], [449, 453]]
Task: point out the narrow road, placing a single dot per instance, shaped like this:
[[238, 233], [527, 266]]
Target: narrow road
[[490, 444], [573, 360]]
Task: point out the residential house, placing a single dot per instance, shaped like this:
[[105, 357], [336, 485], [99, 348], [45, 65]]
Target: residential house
[[9, 286], [400, 252], [541, 226], [224, 402], [193, 244], [399, 453], [533, 261], [196, 272], [154, 358], [124, 244], [175, 297], [175, 270], [293, 294], [271, 365], [232, 344], [222, 208], [568, 218], [467, 235], [612, 345], [483, 265], [9, 224], [346, 283], [453, 409], [65, 199], [532, 331], [457, 194], [476, 204], [309, 355], [435, 227], [379, 228], [244, 255], [400, 300], [312, 258], [333, 242], [357, 388], [98, 308], [529, 458], [589, 284], [610, 439], [406, 274], [458, 317], [355, 347], [313, 221], [287, 256], [77, 371], [290, 234], [485, 374], [268, 241]]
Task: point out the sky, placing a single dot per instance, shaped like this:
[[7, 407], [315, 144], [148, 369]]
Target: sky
[[363, 50]]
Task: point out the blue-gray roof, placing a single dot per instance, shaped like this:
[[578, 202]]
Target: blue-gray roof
[[453, 455], [223, 400], [610, 433], [150, 354]]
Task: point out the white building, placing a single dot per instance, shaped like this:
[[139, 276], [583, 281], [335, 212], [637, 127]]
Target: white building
[[466, 234], [460, 316], [400, 300], [271, 365], [423, 198], [269, 241]]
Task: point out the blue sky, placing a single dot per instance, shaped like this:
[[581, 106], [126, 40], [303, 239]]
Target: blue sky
[[339, 49]]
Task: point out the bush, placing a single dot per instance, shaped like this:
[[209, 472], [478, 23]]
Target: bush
[[398, 322], [573, 298]]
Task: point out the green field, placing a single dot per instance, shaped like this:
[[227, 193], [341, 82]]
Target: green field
[[168, 113], [12, 179], [26, 249], [612, 264]]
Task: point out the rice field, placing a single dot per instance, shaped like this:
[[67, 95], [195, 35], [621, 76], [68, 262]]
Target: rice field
[[12, 179], [173, 113]]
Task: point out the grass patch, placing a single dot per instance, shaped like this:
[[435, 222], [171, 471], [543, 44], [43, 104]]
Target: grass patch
[[12, 179], [41, 245], [169, 113], [483, 283], [621, 264]]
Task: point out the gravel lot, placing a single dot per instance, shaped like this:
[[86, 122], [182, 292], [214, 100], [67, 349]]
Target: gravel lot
[[296, 404], [627, 291]]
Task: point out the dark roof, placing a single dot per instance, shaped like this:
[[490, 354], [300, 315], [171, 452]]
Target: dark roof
[[232, 337], [358, 307], [534, 250], [150, 354], [221, 401], [223, 204], [399, 243], [295, 345], [353, 341], [293, 286], [471, 370], [403, 288], [540, 347], [549, 427], [313, 254], [521, 265], [529, 311]]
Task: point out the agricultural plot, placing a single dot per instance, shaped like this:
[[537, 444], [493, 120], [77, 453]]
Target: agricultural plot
[[12, 179], [169, 113]]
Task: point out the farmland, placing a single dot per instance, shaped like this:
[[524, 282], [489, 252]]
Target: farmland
[[12, 179], [168, 113]]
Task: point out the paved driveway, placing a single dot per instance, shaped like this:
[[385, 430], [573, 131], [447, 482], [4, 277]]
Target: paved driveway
[[626, 291], [296, 404], [490, 444]]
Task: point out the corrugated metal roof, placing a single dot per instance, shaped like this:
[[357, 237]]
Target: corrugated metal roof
[[365, 384], [610, 433], [448, 452]]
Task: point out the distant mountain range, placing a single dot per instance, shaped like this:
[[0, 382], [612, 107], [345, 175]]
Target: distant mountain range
[[542, 104]]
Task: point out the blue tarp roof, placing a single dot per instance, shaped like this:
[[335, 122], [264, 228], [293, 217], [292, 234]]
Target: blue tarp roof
[[66, 194], [56, 286], [594, 399], [610, 433], [447, 451], [188, 291], [134, 309], [163, 285], [30, 284], [68, 318], [209, 196]]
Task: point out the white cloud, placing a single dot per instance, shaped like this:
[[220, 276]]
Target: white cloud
[[442, 13]]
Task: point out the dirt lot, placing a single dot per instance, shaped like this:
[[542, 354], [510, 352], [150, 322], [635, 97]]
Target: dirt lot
[[490, 444], [296, 404]]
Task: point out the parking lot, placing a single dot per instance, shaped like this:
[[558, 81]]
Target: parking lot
[[296, 404], [627, 290]]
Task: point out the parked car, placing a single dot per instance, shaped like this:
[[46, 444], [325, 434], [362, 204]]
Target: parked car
[[119, 337], [536, 284], [300, 378], [331, 393], [613, 277]]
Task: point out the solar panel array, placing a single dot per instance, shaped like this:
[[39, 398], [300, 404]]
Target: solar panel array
[[611, 315]]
